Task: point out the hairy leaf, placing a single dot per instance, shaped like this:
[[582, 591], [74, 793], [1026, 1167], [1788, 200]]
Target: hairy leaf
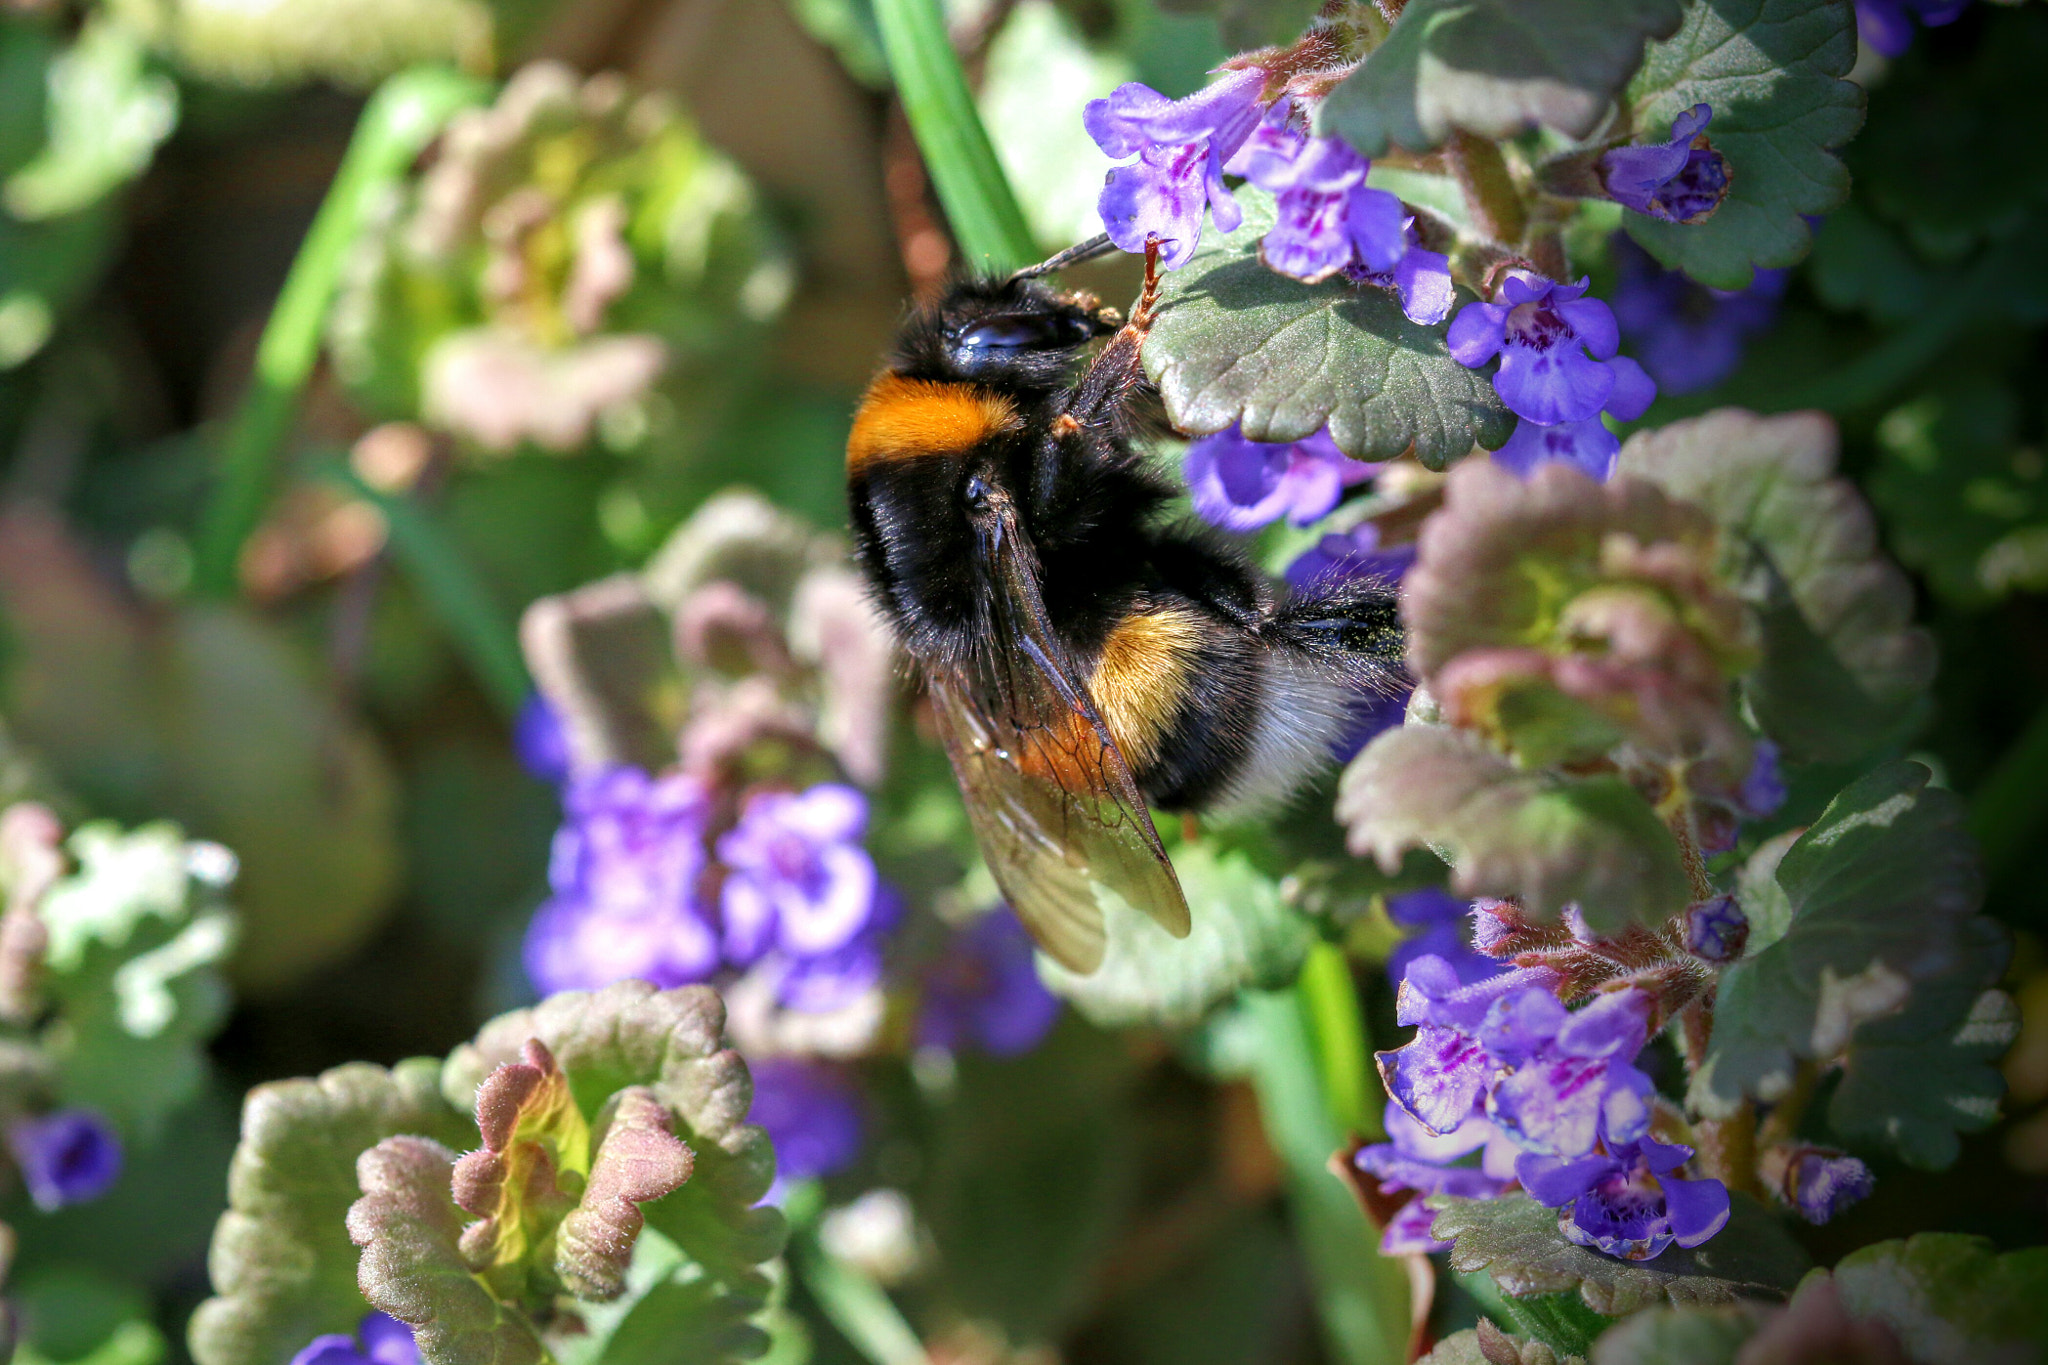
[[1843, 664], [1516, 1240], [629, 1034], [283, 1268], [1950, 1298], [136, 938], [1773, 71], [1236, 342], [411, 1267], [1242, 935], [1488, 1345], [534, 1140], [1680, 1336], [1547, 839], [1882, 890], [638, 1159], [1495, 68], [601, 656]]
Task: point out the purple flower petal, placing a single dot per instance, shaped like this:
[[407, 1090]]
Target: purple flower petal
[[387, 1341], [1587, 446], [1697, 1209], [1591, 322], [1377, 226], [333, 1349], [985, 989], [539, 741], [1306, 241], [67, 1157], [1824, 1182], [1634, 390], [1554, 1183], [1423, 280], [1407, 1232], [1437, 1077], [1615, 1024], [1551, 384], [812, 1113], [1475, 334]]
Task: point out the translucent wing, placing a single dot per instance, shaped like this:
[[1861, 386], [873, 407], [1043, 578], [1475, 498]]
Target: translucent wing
[[1052, 801]]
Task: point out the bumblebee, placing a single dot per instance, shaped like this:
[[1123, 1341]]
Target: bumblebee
[[1085, 654]]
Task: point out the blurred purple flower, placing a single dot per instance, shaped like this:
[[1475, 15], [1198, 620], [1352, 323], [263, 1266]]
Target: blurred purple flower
[[1587, 445], [1690, 337], [1240, 484], [812, 1113], [1887, 25], [1680, 181], [624, 872], [380, 1340], [1444, 921], [1628, 1203], [797, 878], [1550, 341], [985, 989], [1821, 1182], [1763, 789], [539, 740], [1416, 1159], [1180, 147], [1344, 555], [1716, 930], [67, 1157]]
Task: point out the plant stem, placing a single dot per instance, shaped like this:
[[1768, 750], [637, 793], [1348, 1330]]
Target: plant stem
[[1783, 1123], [983, 211], [405, 114], [861, 1309], [457, 596], [1336, 1031], [1361, 1296], [1490, 194]]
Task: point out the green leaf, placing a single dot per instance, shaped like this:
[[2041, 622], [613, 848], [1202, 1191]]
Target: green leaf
[[522, 1180], [136, 938], [1488, 1345], [671, 1042], [412, 1266], [1236, 342], [1843, 665], [1242, 935], [1774, 71], [1917, 1079], [1883, 889], [638, 1159], [107, 113], [283, 1268], [1950, 1298], [1496, 68], [1516, 1241], [1680, 1336], [1548, 839]]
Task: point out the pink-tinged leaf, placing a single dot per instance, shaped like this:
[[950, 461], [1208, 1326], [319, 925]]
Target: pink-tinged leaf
[[638, 1160]]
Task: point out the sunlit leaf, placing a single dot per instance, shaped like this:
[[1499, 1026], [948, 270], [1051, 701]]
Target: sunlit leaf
[[1236, 342], [1950, 1298]]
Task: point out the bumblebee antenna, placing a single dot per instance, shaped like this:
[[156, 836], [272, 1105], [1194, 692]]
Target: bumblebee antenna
[[1073, 255]]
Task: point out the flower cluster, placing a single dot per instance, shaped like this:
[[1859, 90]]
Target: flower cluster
[[1329, 221], [1502, 1060], [1559, 371], [1689, 336]]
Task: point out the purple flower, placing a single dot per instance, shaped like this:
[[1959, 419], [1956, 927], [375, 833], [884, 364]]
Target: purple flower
[[1422, 279], [985, 989], [1716, 930], [1180, 146], [68, 1157], [1325, 215], [1689, 337], [539, 741], [1241, 484], [1628, 1203], [1344, 555], [1572, 1083], [1445, 1070], [1887, 25], [812, 1113], [1680, 181], [1587, 445], [1820, 1182], [797, 878], [1550, 342], [1763, 789], [624, 872], [1444, 920], [384, 1340], [1416, 1159]]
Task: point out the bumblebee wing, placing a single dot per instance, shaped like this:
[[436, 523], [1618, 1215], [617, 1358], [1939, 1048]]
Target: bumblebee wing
[[1052, 802]]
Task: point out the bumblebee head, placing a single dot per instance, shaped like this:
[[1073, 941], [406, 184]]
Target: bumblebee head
[[1007, 333]]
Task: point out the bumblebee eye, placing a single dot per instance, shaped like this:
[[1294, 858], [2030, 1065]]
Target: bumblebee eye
[[1024, 333], [977, 492]]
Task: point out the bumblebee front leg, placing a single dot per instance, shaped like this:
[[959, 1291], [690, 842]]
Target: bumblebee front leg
[[1117, 370]]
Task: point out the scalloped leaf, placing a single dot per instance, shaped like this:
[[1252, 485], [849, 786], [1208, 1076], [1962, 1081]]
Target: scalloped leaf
[[1844, 668], [638, 1159], [1773, 71], [1516, 1241], [1236, 342], [412, 1267], [1883, 889], [672, 1042], [534, 1141], [1950, 1298], [136, 940], [283, 1268], [1496, 68], [1242, 934], [1547, 839]]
